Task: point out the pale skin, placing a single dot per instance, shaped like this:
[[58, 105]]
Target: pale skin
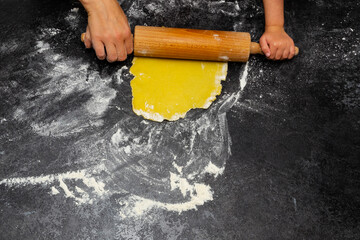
[[275, 43], [108, 31]]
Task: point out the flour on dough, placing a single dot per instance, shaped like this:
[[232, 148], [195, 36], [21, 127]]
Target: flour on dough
[[168, 88]]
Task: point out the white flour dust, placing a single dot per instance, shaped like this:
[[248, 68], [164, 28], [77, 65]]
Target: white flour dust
[[64, 182], [141, 9], [63, 82]]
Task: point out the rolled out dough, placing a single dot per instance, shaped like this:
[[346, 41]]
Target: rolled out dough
[[168, 89]]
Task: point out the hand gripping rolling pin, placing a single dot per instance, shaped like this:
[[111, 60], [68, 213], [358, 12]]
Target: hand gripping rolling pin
[[182, 43]]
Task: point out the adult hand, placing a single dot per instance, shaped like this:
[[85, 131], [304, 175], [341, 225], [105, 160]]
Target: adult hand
[[276, 44], [108, 30]]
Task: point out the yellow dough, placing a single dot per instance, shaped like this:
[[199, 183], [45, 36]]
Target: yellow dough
[[168, 89]]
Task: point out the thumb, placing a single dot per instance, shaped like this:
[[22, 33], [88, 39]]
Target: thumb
[[87, 38], [265, 46]]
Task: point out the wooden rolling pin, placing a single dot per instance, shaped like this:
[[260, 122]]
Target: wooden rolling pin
[[181, 43]]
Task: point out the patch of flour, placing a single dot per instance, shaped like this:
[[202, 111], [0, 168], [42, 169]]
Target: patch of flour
[[73, 18], [49, 32], [64, 183], [64, 80], [42, 46]]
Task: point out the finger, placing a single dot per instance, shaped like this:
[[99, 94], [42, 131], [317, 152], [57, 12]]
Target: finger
[[111, 53], [285, 54], [129, 44], [273, 51], [87, 38], [279, 54], [292, 52], [121, 52], [99, 49], [265, 47]]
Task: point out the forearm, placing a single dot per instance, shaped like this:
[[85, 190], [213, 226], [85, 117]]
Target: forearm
[[89, 3], [104, 7], [275, 43], [274, 13]]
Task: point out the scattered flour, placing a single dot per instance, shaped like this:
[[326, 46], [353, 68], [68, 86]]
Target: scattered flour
[[42, 46], [68, 77], [95, 187], [214, 170]]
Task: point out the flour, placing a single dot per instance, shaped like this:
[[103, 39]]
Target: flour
[[137, 206], [74, 10], [67, 192], [140, 9], [73, 18], [95, 187], [119, 137], [68, 77], [214, 170], [122, 71], [243, 78], [156, 116], [49, 32], [54, 191], [201, 194], [42, 46], [9, 47]]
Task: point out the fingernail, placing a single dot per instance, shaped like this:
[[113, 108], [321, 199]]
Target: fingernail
[[267, 54]]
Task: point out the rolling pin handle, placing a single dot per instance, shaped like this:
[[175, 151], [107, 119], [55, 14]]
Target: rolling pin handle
[[83, 37], [256, 49]]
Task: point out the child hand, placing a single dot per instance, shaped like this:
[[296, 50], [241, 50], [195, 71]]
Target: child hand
[[276, 44], [108, 31]]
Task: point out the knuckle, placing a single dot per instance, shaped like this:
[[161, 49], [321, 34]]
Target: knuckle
[[121, 35], [127, 33], [96, 36], [107, 36], [118, 35]]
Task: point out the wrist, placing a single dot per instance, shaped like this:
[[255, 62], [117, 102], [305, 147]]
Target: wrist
[[90, 4], [274, 28]]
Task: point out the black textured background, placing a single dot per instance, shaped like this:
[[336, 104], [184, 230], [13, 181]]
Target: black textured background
[[294, 172]]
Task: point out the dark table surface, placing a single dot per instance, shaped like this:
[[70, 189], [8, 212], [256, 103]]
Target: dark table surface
[[276, 160]]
